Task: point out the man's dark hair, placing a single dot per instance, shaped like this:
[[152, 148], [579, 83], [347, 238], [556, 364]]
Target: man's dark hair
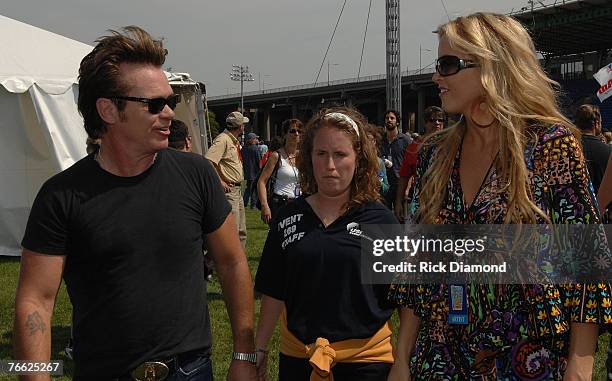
[[99, 75], [178, 135], [587, 116], [290, 122], [398, 118], [431, 111]]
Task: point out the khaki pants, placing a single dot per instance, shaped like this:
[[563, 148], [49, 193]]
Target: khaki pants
[[235, 199]]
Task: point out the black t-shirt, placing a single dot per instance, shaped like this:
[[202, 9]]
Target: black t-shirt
[[597, 154], [133, 247], [316, 272]]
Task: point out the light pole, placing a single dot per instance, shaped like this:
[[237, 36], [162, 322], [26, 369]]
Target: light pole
[[328, 64], [421, 50], [241, 73]]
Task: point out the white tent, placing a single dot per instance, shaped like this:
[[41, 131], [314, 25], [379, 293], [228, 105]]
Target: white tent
[[42, 130], [191, 109]]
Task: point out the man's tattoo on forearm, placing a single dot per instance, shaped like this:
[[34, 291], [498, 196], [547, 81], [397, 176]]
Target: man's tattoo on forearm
[[35, 323]]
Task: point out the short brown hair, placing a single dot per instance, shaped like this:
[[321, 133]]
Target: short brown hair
[[365, 184], [179, 133], [99, 75], [587, 116], [432, 110]]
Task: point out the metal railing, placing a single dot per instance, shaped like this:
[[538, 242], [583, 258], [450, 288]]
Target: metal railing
[[426, 70]]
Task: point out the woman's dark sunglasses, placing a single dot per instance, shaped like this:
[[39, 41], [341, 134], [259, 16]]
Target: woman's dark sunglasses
[[295, 131], [449, 65], [156, 105]]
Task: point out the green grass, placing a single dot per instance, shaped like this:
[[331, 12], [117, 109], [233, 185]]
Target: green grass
[[222, 343]]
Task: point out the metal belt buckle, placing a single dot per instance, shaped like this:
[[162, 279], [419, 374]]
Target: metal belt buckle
[[151, 371]]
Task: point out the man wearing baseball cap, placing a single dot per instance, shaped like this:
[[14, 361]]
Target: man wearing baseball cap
[[225, 155]]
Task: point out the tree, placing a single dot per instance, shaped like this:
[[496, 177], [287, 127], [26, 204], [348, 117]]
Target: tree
[[213, 124]]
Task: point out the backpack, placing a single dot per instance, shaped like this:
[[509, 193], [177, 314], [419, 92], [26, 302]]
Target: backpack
[[270, 183]]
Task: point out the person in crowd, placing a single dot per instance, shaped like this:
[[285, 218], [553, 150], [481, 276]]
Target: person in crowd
[[225, 155], [263, 148], [596, 152], [179, 137], [92, 145], [124, 228], [282, 170], [275, 144], [393, 146], [251, 155], [513, 158], [309, 274], [607, 135], [604, 197], [374, 134], [434, 122]]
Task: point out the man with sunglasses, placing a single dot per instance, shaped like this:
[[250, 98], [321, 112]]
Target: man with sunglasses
[[226, 156], [434, 122], [124, 227]]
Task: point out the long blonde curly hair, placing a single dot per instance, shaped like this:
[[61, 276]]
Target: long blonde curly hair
[[519, 95]]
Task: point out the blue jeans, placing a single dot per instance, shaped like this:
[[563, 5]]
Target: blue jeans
[[250, 194], [197, 370]]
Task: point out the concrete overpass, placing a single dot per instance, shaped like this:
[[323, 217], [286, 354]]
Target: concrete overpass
[[268, 108]]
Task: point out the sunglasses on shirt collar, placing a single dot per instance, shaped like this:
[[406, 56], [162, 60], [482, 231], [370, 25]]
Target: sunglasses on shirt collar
[[156, 105], [450, 65]]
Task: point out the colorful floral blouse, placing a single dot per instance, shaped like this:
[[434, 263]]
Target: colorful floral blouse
[[515, 332]]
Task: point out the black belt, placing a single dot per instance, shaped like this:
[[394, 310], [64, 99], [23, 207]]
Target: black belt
[[234, 184], [278, 197], [155, 370]]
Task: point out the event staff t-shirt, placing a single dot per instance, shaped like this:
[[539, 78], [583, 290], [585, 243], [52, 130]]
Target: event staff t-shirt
[[134, 266], [316, 271]]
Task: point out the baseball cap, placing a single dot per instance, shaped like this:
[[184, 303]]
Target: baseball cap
[[251, 135], [235, 119]]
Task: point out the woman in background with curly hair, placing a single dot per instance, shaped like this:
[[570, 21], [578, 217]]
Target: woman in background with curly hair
[[512, 159], [309, 273]]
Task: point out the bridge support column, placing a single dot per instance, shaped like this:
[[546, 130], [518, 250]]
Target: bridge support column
[[266, 132], [420, 110], [294, 110], [381, 112]]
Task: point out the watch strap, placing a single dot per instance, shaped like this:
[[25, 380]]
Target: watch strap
[[250, 357]]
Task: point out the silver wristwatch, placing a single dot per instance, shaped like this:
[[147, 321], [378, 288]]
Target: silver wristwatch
[[250, 357]]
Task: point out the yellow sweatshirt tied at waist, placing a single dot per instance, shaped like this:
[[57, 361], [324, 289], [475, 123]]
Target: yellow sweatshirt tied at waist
[[323, 355]]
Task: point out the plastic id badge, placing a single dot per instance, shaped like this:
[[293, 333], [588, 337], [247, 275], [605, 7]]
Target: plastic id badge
[[457, 303]]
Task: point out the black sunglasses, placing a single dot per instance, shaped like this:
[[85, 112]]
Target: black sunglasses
[[434, 120], [449, 65], [295, 131], [156, 105]]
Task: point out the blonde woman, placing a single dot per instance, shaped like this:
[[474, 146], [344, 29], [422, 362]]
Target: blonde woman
[[512, 158], [309, 274]]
